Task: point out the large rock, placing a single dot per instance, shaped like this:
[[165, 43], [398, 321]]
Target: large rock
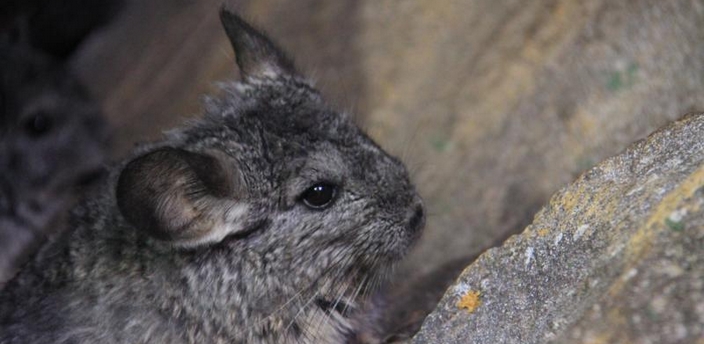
[[615, 257], [497, 104]]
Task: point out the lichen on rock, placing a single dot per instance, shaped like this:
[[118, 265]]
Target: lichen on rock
[[615, 257]]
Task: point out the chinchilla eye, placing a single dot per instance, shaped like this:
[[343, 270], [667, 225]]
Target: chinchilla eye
[[319, 196]]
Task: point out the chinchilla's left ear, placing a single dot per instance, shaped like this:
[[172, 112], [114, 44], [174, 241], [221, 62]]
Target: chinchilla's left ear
[[182, 197], [257, 56]]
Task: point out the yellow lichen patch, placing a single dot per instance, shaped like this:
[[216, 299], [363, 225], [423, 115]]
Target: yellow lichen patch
[[470, 301], [600, 338], [674, 201], [641, 241], [543, 232]]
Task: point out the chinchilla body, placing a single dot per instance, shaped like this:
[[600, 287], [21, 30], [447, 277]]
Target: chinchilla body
[[268, 220]]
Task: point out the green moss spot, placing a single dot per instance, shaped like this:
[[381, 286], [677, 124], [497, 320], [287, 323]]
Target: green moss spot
[[621, 79], [615, 83], [440, 144], [676, 226]]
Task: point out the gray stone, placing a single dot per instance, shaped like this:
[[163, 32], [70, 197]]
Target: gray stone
[[615, 257]]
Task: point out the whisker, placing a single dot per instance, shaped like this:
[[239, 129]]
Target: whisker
[[416, 166], [300, 310], [408, 141], [303, 290], [356, 293], [329, 314]]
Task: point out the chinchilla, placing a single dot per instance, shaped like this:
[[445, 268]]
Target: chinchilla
[[53, 144], [268, 220]]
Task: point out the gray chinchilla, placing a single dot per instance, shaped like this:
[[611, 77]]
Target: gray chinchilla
[[269, 220], [53, 144]]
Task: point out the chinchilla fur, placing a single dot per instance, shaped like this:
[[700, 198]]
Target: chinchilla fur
[[53, 143], [268, 220]]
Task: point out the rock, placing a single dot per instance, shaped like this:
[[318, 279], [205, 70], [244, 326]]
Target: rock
[[615, 257], [495, 105]]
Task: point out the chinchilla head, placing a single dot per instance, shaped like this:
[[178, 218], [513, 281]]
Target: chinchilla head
[[277, 189], [52, 136]]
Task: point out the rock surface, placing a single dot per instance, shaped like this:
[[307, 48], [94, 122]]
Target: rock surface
[[497, 104], [615, 257]]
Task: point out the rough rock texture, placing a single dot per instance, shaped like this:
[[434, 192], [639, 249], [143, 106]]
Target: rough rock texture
[[615, 257]]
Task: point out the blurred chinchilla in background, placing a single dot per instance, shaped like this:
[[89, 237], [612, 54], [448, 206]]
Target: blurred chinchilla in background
[[53, 138]]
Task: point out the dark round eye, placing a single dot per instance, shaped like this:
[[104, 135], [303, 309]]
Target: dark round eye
[[38, 124], [319, 196]]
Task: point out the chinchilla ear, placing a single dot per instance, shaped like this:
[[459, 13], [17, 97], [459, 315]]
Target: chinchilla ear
[[256, 55], [183, 197]]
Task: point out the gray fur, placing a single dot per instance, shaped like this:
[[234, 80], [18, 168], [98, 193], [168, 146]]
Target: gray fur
[[279, 272], [52, 139]]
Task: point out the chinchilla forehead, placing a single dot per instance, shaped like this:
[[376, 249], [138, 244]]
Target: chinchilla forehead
[[283, 118], [284, 135]]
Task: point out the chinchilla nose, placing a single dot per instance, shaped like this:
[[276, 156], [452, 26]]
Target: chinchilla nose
[[416, 220]]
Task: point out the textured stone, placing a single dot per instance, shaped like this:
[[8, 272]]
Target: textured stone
[[615, 257]]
